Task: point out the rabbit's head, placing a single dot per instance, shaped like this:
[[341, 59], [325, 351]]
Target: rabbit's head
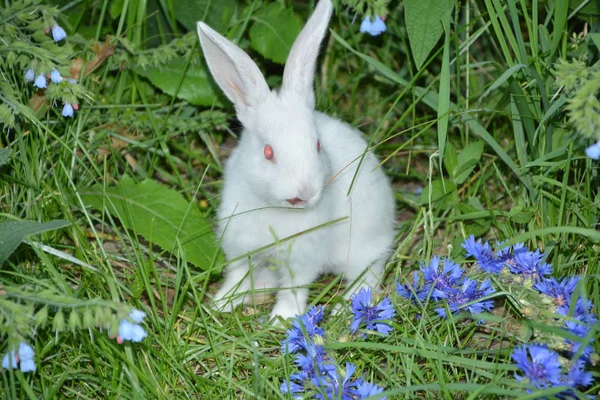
[[280, 150]]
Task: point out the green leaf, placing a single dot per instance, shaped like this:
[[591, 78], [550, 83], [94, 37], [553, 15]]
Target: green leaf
[[4, 155], [216, 13], [161, 215], [521, 214], [446, 198], [197, 87], [12, 233], [423, 23], [450, 160], [467, 160], [274, 31]]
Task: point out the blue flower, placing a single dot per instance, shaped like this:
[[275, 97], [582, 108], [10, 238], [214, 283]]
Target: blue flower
[[486, 260], [458, 298], [133, 332], [303, 331], [371, 315], [542, 370], [58, 33], [40, 81], [367, 389], [374, 28], [55, 76], [67, 110], [10, 360], [578, 376], [561, 291], [417, 292], [446, 279], [29, 75], [593, 151], [582, 311], [530, 264]]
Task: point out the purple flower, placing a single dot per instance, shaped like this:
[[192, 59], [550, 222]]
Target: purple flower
[[303, 331], [465, 296], [365, 313], [67, 110], [486, 260], [593, 151], [29, 75], [450, 275], [374, 28], [55, 76], [561, 291], [530, 264], [541, 370], [417, 292], [40, 81], [58, 33]]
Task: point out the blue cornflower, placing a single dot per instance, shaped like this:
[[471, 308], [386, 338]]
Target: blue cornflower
[[593, 151], [303, 331], [55, 76], [560, 291], [486, 260], [133, 332], [530, 264], [371, 315], [415, 292], [450, 275], [67, 110], [542, 370], [40, 81], [374, 28], [577, 375], [367, 389], [58, 33], [468, 292], [582, 311], [29, 75]]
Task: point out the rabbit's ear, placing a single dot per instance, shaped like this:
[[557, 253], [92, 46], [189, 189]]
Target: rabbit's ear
[[298, 75], [234, 71]]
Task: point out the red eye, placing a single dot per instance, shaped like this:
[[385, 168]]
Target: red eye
[[269, 152], [318, 146]]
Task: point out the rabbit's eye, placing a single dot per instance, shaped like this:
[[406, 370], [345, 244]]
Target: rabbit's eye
[[269, 152], [318, 146]]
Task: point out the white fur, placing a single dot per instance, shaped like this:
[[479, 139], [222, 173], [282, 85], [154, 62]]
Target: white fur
[[255, 212]]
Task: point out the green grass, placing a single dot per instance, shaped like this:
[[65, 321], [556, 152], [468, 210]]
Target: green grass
[[491, 80]]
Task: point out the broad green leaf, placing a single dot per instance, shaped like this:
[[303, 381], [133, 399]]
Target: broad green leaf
[[12, 233], [442, 192], [591, 7], [274, 31], [197, 87], [5, 155], [561, 8], [116, 8], [450, 160], [424, 26], [215, 13], [161, 215], [467, 160], [520, 214]]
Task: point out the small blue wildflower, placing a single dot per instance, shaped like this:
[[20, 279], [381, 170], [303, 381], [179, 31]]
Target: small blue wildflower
[[40, 81], [371, 315], [374, 28], [530, 264], [486, 260], [133, 332], [10, 360], [542, 370], [58, 33], [417, 292], [137, 316], [450, 275], [593, 151], [560, 291], [367, 389], [458, 298], [29, 75], [26, 354], [67, 110], [303, 331], [55, 76]]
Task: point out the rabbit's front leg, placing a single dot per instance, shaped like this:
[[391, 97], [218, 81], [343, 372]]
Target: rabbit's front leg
[[293, 293]]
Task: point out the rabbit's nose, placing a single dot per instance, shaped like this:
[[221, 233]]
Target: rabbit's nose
[[294, 201]]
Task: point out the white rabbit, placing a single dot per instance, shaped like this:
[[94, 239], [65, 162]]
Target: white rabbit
[[291, 173]]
